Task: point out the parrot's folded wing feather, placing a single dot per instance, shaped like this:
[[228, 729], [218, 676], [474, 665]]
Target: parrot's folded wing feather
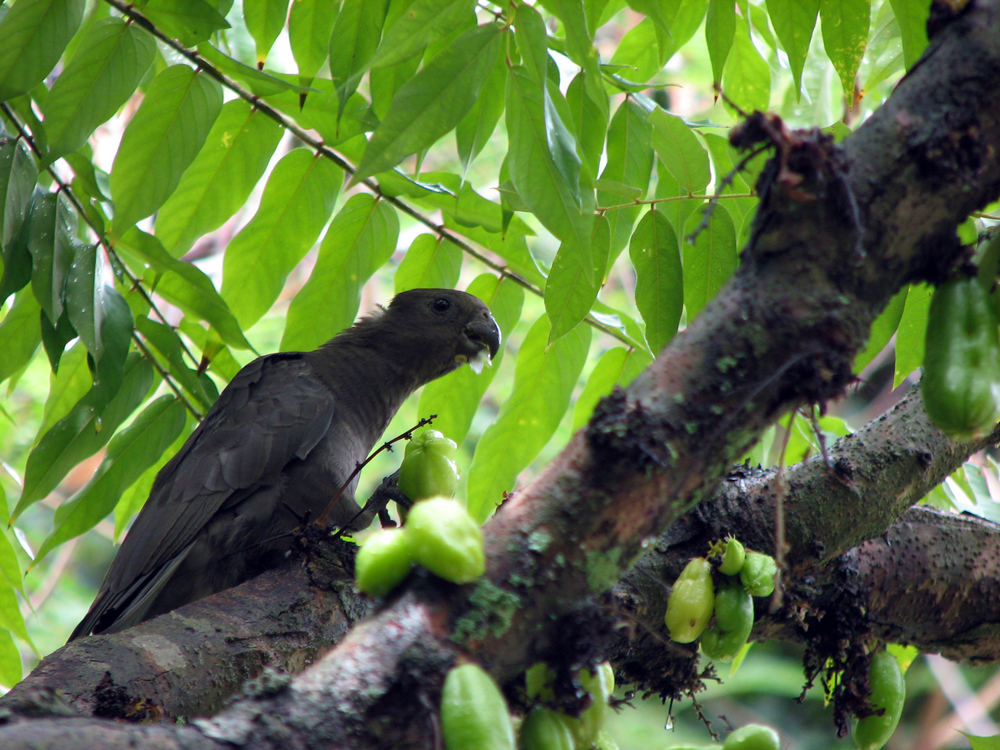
[[275, 411]]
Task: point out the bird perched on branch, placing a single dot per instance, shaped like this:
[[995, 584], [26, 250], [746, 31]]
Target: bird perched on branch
[[276, 447]]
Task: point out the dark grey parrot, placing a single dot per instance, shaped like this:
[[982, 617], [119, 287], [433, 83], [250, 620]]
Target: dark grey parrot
[[280, 441]]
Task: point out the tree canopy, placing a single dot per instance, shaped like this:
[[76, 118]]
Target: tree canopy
[[684, 285]]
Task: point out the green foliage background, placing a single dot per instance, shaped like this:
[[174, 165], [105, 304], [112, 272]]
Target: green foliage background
[[187, 183]]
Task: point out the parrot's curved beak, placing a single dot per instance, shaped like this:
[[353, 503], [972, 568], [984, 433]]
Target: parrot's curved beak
[[483, 333]]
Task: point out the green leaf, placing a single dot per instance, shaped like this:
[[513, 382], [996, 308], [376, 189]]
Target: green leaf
[[321, 112], [355, 37], [685, 22], [99, 314], [512, 248], [617, 366], [723, 154], [747, 77], [166, 341], [674, 21], [310, 23], [794, 21], [10, 614], [983, 743], [360, 240], [67, 386], [433, 102], [883, 328], [221, 177], [33, 35], [845, 26], [105, 71], [659, 282], [50, 237], [618, 188], [18, 175], [184, 285], [129, 454], [676, 211], [546, 178], [423, 22], [710, 262], [55, 337], [469, 208], [82, 432], [476, 128], [661, 15], [580, 49], [10, 569], [638, 50], [187, 21], [680, 151], [10, 661], [569, 294], [911, 15], [543, 382], [133, 498], [264, 19], [385, 82], [430, 263], [720, 26], [532, 42], [911, 331], [885, 49], [160, 142], [296, 204], [259, 82], [590, 120], [630, 161], [19, 334]]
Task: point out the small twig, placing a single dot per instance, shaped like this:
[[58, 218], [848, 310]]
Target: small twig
[[386, 446], [654, 201], [818, 432], [726, 182], [141, 346]]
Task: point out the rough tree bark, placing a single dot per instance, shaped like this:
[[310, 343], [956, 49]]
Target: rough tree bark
[[838, 231]]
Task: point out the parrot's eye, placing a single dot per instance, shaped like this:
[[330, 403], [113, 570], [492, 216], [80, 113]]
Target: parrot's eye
[[442, 304]]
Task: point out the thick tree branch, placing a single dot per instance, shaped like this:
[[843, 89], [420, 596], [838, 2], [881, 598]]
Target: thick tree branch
[[190, 662], [782, 333], [948, 562]]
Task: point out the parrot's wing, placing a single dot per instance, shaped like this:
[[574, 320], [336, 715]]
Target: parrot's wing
[[274, 411]]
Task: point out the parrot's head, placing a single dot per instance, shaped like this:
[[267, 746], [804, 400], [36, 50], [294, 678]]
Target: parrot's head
[[444, 329]]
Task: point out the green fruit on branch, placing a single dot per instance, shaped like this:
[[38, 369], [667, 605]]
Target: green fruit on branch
[[732, 557], [538, 681], [752, 737], [428, 467], [544, 729], [757, 573], [885, 679], [604, 741], [446, 540], [473, 712], [600, 684], [733, 622], [961, 380], [690, 605], [383, 562]]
